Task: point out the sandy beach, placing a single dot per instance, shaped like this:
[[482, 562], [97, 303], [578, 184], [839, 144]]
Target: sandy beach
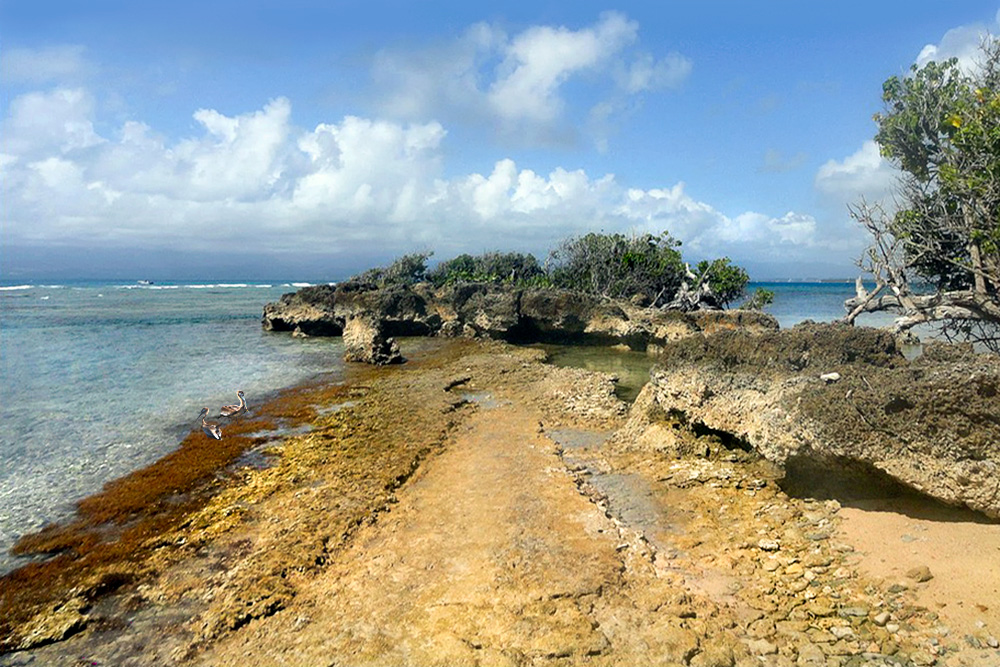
[[468, 507]]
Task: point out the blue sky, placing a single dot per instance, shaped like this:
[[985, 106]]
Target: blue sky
[[312, 139]]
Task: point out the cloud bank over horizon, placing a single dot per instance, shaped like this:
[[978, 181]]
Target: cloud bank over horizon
[[257, 181], [74, 174]]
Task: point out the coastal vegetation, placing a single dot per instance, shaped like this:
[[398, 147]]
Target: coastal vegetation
[[940, 127], [646, 268]]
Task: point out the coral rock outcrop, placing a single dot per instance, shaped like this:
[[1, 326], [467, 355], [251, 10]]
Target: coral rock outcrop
[[931, 423]]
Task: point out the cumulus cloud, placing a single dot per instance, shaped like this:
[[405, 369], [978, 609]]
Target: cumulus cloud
[[43, 123], [254, 182], [962, 43], [864, 173], [518, 82], [539, 60]]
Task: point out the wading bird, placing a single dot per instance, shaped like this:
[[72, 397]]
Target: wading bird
[[233, 410], [211, 429]]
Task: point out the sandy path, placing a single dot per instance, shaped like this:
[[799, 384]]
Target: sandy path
[[491, 554], [961, 550]]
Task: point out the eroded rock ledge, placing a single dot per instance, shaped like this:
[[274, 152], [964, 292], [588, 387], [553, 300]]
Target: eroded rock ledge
[[493, 311], [831, 397]]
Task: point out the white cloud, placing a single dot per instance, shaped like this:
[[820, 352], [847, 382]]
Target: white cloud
[[42, 123], [648, 73], [517, 83], [962, 43], [55, 63], [865, 173], [254, 182], [539, 60], [708, 231]]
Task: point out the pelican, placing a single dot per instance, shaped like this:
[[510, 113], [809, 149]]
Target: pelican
[[211, 429], [233, 410]]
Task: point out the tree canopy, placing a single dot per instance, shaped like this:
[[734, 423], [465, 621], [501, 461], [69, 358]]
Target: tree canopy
[[647, 268], [937, 257]]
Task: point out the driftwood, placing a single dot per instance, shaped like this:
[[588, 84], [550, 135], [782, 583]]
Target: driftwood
[[694, 294], [968, 311]]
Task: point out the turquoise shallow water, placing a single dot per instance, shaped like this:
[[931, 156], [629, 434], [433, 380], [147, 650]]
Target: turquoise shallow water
[[98, 379], [101, 379]]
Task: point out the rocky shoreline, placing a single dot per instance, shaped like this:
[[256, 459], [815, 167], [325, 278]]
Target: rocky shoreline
[[517, 315], [478, 506]]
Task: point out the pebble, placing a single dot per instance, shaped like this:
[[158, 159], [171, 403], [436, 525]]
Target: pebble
[[881, 619], [858, 611], [762, 647], [920, 574], [768, 545], [992, 642]]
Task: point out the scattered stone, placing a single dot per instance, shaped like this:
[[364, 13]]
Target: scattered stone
[[830, 378], [920, 574], [768, 545], [762, 647], [811, 655], [992, 642], [858, 611], [881, 619]]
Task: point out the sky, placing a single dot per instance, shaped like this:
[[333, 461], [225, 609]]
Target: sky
[[310, 140]]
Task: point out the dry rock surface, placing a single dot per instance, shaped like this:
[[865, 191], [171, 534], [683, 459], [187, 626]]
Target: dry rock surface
[[818, 399], [477, 507]]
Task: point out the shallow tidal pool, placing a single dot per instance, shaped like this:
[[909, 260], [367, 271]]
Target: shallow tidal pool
[[630, 367]]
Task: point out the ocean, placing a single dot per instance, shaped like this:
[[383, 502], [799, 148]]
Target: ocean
[[99, 379]]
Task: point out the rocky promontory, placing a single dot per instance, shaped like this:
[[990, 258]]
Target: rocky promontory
[[832, 402], [497, 311]]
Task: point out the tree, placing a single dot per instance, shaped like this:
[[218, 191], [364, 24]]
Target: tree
[[937, 258], [620, 266], [727, 281], [405, 270]]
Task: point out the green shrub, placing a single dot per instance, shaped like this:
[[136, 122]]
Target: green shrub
[[759, 299], [405, 270], [619, 266], [493, 267], [728, 281]]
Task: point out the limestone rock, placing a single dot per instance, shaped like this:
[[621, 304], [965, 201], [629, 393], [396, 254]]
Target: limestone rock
[[364, 341], [928, 423], [496, 311]]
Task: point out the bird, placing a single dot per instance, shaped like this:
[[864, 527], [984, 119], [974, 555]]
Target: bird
[[233, 410], [211, 429]]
